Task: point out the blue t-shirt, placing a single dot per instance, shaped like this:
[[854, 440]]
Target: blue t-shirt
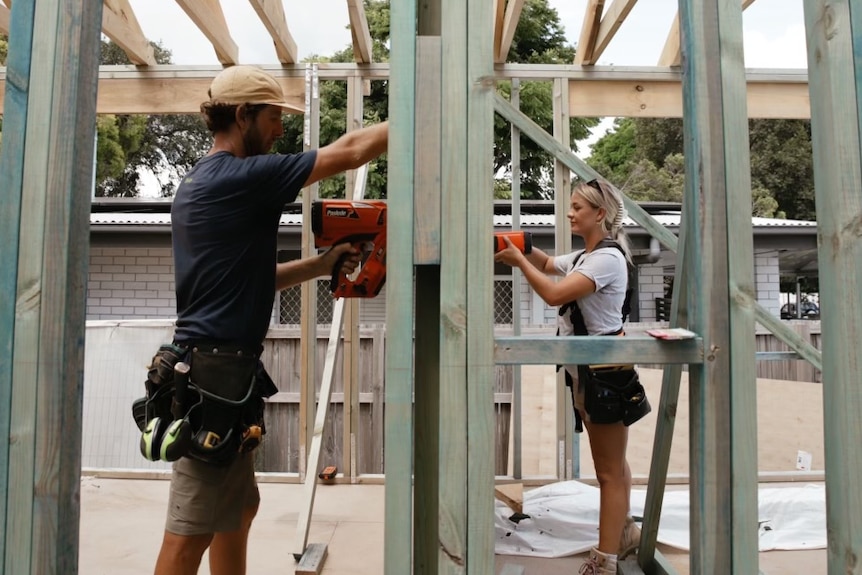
[[224, 223]]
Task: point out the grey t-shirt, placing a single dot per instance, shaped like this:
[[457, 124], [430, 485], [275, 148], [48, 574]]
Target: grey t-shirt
[[602, 309]]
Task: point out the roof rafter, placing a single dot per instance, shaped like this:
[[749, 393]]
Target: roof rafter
[[362, 52], [209, 18], [670, 54], [589, 31], [121, 25], [510, 24], [4, 19], [499, 15], [611, 22], [271, 13]]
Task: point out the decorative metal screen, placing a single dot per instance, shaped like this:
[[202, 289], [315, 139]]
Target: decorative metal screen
[[290, 306], [503, 301]]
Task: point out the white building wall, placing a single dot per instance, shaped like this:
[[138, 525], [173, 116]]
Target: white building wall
[[766, 281], [138, 283], [130, 283]]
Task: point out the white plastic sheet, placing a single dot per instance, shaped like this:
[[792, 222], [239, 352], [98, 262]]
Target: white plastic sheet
[[564, 519]]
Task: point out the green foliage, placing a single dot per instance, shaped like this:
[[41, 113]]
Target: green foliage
[[539, 39], [613, 154], [163, 145], [110, 152], [333, 109], [648, 183], [782, 175], [764, 205], [657, 138], [782, 162]]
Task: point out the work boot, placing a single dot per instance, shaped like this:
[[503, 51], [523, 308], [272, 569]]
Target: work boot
[[599, 564], [630, 539]]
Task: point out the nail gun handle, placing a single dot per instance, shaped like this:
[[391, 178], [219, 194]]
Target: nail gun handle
[[336, 271]]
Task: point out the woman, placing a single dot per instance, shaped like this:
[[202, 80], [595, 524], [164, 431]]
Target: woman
[[594, 289]]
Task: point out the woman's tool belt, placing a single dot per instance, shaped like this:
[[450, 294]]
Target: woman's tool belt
[[613, 393], [220, 407]]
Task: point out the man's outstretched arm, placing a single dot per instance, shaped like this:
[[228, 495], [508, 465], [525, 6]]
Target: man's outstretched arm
[[350, 151]]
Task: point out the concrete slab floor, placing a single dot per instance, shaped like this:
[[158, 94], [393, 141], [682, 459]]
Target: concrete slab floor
[[122, 522]]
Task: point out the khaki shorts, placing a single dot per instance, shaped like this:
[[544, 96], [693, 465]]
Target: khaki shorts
[[209, 499]]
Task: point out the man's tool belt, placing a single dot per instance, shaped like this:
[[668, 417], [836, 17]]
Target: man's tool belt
[[224, 402]]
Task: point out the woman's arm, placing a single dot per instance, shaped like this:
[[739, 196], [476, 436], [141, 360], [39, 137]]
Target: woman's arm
[[574, 286], [295, 272], [537, 266]]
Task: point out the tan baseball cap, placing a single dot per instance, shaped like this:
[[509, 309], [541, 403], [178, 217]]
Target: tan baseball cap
[[248, 85]]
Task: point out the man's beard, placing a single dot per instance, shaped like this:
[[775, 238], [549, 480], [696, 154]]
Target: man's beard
[[252, 142]]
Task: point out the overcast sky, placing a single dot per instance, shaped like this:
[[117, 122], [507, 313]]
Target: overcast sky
[[774, 31]]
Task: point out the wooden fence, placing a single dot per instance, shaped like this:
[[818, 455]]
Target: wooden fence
[[280, 452]]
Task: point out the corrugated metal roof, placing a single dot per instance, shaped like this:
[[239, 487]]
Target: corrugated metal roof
[[527, 220]]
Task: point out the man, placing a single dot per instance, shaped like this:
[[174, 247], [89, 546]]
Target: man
[[224, 221]]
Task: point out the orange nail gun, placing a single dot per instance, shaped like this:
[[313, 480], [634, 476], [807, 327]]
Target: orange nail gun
[[520, 239], [363, 224]]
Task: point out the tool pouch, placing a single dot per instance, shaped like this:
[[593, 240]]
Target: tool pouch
[[613, 393], [159, 386], [232, 385]]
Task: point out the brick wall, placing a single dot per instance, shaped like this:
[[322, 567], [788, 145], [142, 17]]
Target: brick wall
[[766, 281], [130, 283], [650, 286]]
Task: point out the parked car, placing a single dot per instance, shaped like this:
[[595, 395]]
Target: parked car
[[810, 310]]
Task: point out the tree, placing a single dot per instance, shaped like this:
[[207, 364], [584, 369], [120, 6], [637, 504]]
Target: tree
[[333, 108], [539, 39], [166, 146], [782, 175], [782, 162], [613, 154]]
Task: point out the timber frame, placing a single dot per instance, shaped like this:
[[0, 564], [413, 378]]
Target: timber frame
[[442, 61]]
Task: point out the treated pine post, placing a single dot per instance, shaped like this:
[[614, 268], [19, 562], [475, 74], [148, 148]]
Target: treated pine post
[[355, 182], [308, 290], [517, 401], [398, 524], [568, 444], [50, 113], [12, 156], [665, 414], [479, 282], [465, 541], [723, 452], [834, 31], [453, 320], [426, 250]]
